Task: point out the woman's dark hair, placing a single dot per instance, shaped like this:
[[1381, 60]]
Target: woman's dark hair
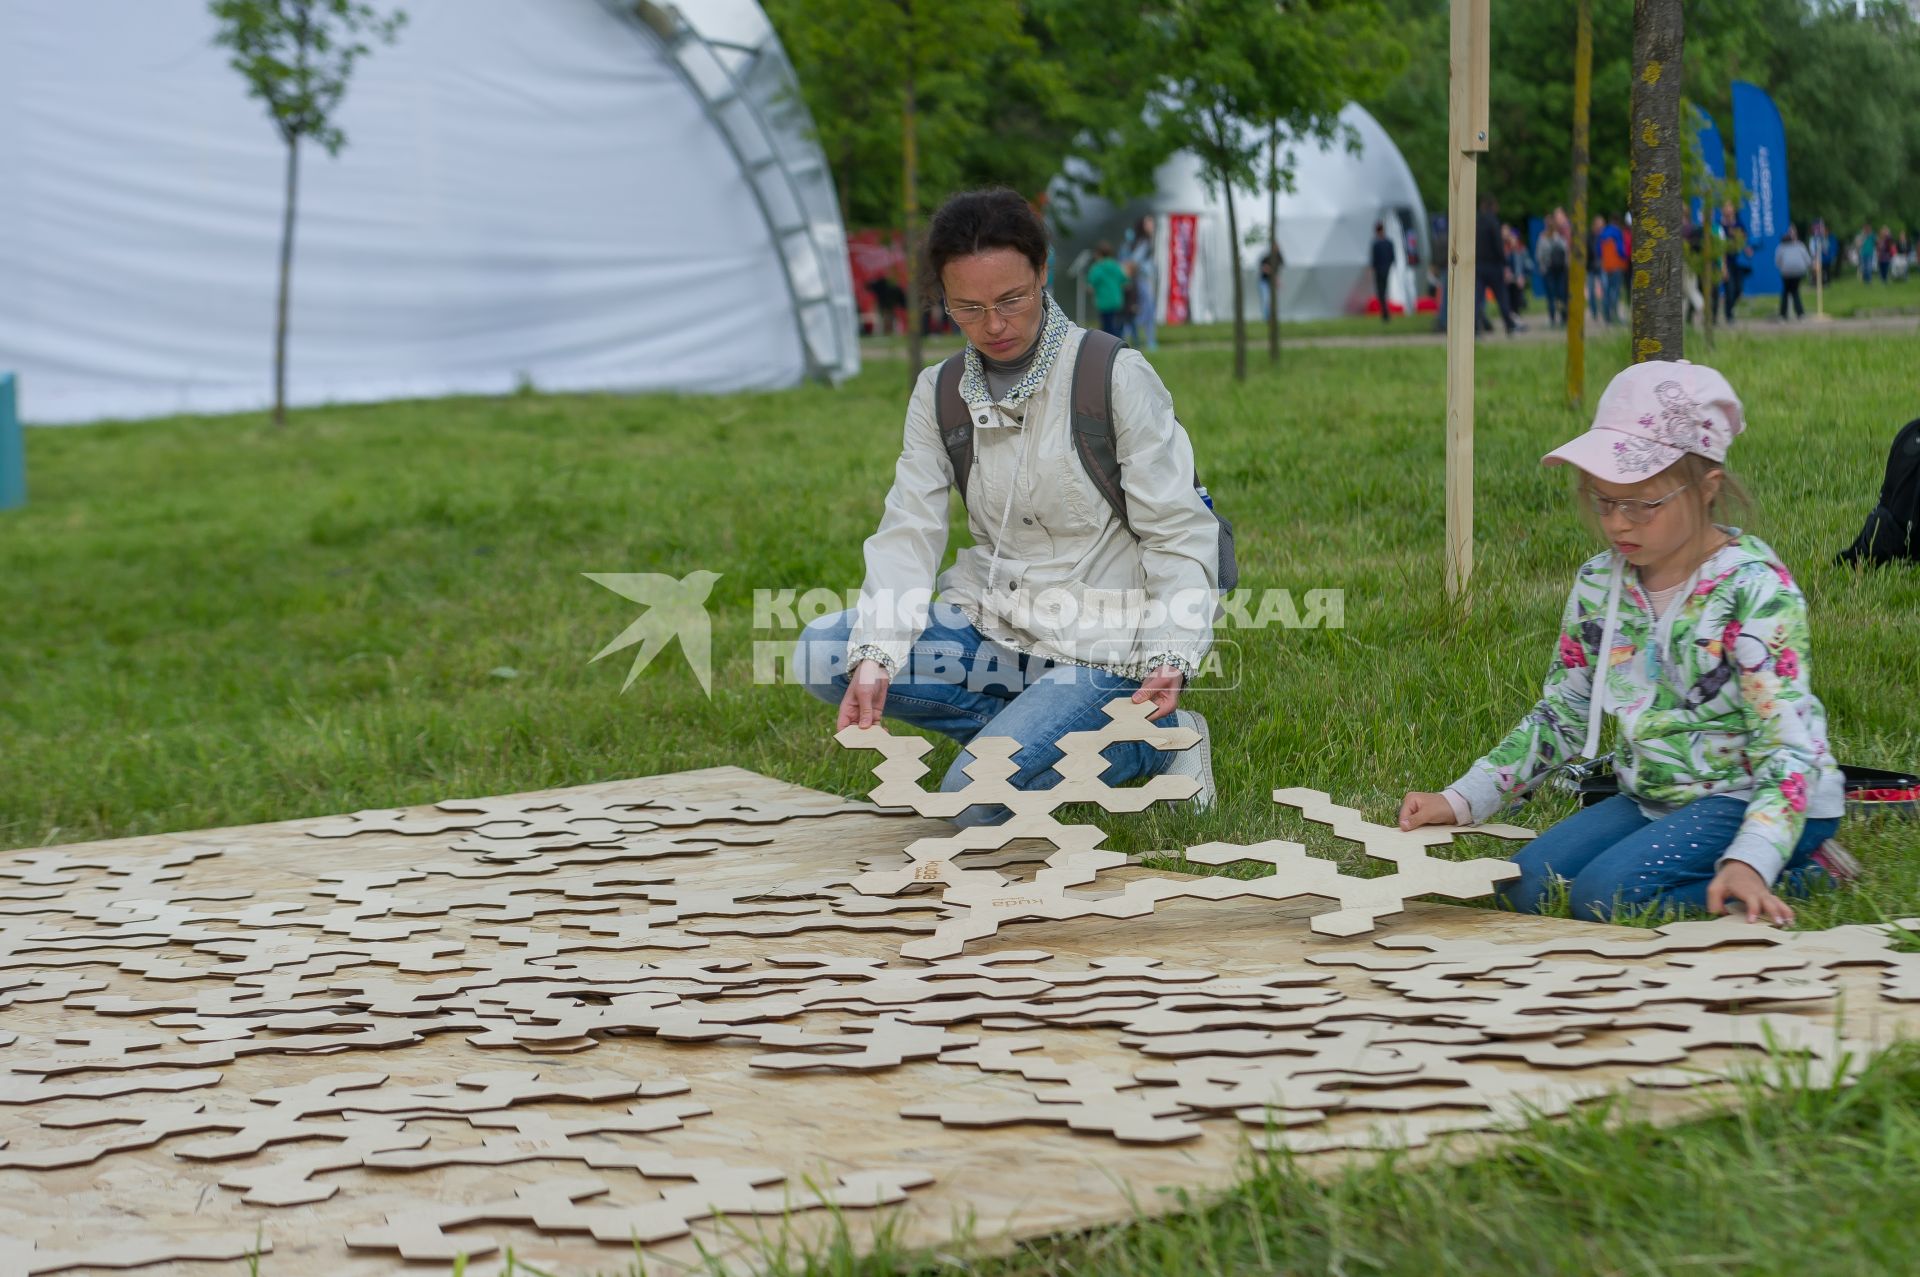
[[979, 221]]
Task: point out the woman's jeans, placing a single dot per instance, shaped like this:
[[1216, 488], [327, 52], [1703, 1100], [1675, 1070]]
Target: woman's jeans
[[1614, 859], [1140, 331], [961, 684]]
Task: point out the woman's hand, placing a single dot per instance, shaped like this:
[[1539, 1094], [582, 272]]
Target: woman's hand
[[1163, 689], [866, 696], [1425, 809], [1738, 880]]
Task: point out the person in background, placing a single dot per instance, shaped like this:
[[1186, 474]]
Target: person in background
[[1612, 246], [1596, 283], [1694, 236], [1490, 269], [1884, 254], [1142, 332], [1864, 252], [1382, 256], [1551, 253], [1519, 271], [1737, 263], [1820, 248], [1793, 261], [1270, 265], [1108, 280]]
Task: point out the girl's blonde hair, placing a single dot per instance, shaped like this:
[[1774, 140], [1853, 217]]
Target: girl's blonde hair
[[1732, 504]]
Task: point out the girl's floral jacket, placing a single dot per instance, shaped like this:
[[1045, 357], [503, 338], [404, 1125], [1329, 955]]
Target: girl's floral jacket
[[1712, 699]]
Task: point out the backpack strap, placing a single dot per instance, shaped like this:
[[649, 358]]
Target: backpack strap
[[954, 420], [1092, 406]]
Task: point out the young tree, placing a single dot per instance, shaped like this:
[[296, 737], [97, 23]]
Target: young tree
[[297, 56], [901, 92], [1224, 73], [1279, 177], [1659, 257], [1577, 263]]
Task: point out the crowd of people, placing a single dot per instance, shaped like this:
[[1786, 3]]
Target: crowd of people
[[1721, 252]]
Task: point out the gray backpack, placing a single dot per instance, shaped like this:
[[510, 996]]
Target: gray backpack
[[1093, 438]]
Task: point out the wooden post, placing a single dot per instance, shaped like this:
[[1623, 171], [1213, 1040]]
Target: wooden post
[[1467, 133]]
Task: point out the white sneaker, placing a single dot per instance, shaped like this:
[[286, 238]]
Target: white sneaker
[[1196, 760]]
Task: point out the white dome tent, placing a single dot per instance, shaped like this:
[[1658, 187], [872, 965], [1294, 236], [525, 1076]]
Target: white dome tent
[[1325, 232], [579, 194]]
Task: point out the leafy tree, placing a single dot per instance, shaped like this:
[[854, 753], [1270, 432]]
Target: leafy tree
[[1222, 75], [1846, 78], [901, 93], [297, 56]]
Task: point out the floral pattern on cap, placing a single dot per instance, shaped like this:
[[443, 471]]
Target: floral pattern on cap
[[1652, 414]]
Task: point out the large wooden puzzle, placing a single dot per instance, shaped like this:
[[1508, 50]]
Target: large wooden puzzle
[[715, 1010]]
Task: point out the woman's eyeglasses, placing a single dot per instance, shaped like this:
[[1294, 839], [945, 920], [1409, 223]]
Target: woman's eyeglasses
[[1636, 512], [1010, 308]]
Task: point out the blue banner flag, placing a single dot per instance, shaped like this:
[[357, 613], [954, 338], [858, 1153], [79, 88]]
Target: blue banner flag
[[1760, 159], [1713, 156]]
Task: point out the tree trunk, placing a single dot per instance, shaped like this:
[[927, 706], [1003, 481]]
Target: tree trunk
[[910, 202], [1273, 239], [1577, 239], [286, 284], [1239, 286], [1659, 255]]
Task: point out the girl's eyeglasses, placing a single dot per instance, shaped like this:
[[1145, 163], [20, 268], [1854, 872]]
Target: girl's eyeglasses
[[1636, 512]]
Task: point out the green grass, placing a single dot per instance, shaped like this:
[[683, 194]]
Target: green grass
[[211, 622], [1795, 1179], [1845, 297]]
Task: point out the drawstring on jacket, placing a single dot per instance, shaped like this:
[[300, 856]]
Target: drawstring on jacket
[[1603, 659]]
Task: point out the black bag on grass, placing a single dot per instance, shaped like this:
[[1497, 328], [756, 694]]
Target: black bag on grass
[[1892, 531]]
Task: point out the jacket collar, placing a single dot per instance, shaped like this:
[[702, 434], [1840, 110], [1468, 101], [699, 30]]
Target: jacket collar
[[1053, 336]]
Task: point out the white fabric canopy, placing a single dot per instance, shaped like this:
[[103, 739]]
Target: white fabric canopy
[[1325, 228], [553, 191]]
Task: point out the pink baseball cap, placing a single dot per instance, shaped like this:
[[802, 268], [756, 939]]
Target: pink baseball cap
[[1650, 416]]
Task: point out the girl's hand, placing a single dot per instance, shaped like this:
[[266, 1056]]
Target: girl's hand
[[1740, 881], [866, 696], [1163, 689], [1425, 809]]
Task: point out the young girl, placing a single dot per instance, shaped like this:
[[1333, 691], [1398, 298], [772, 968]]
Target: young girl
[[1727, 791]]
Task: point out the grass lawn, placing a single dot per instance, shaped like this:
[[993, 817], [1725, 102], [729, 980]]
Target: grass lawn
[[212, 622]]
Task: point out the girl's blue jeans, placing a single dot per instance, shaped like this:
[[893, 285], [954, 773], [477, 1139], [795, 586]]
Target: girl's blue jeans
[[1614, 859], [961, 684]]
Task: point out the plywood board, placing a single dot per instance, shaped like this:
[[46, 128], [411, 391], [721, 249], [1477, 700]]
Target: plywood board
[[376, 1047]]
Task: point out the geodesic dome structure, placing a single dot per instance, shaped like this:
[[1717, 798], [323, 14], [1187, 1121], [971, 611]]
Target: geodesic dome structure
[[576, 194], [1325, 229]]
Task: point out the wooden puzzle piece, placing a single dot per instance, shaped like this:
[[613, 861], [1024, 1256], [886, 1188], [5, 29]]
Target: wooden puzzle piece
[[1030, 811], [881, 1043], [21, 1258], [152, 1124], [540, 1137], [485, 1092], [1133, 1116], [16, 1089], [290, 1180], [553, 1206]]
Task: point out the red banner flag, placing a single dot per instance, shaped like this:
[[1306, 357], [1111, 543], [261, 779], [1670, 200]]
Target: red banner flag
[[1182, 231]]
